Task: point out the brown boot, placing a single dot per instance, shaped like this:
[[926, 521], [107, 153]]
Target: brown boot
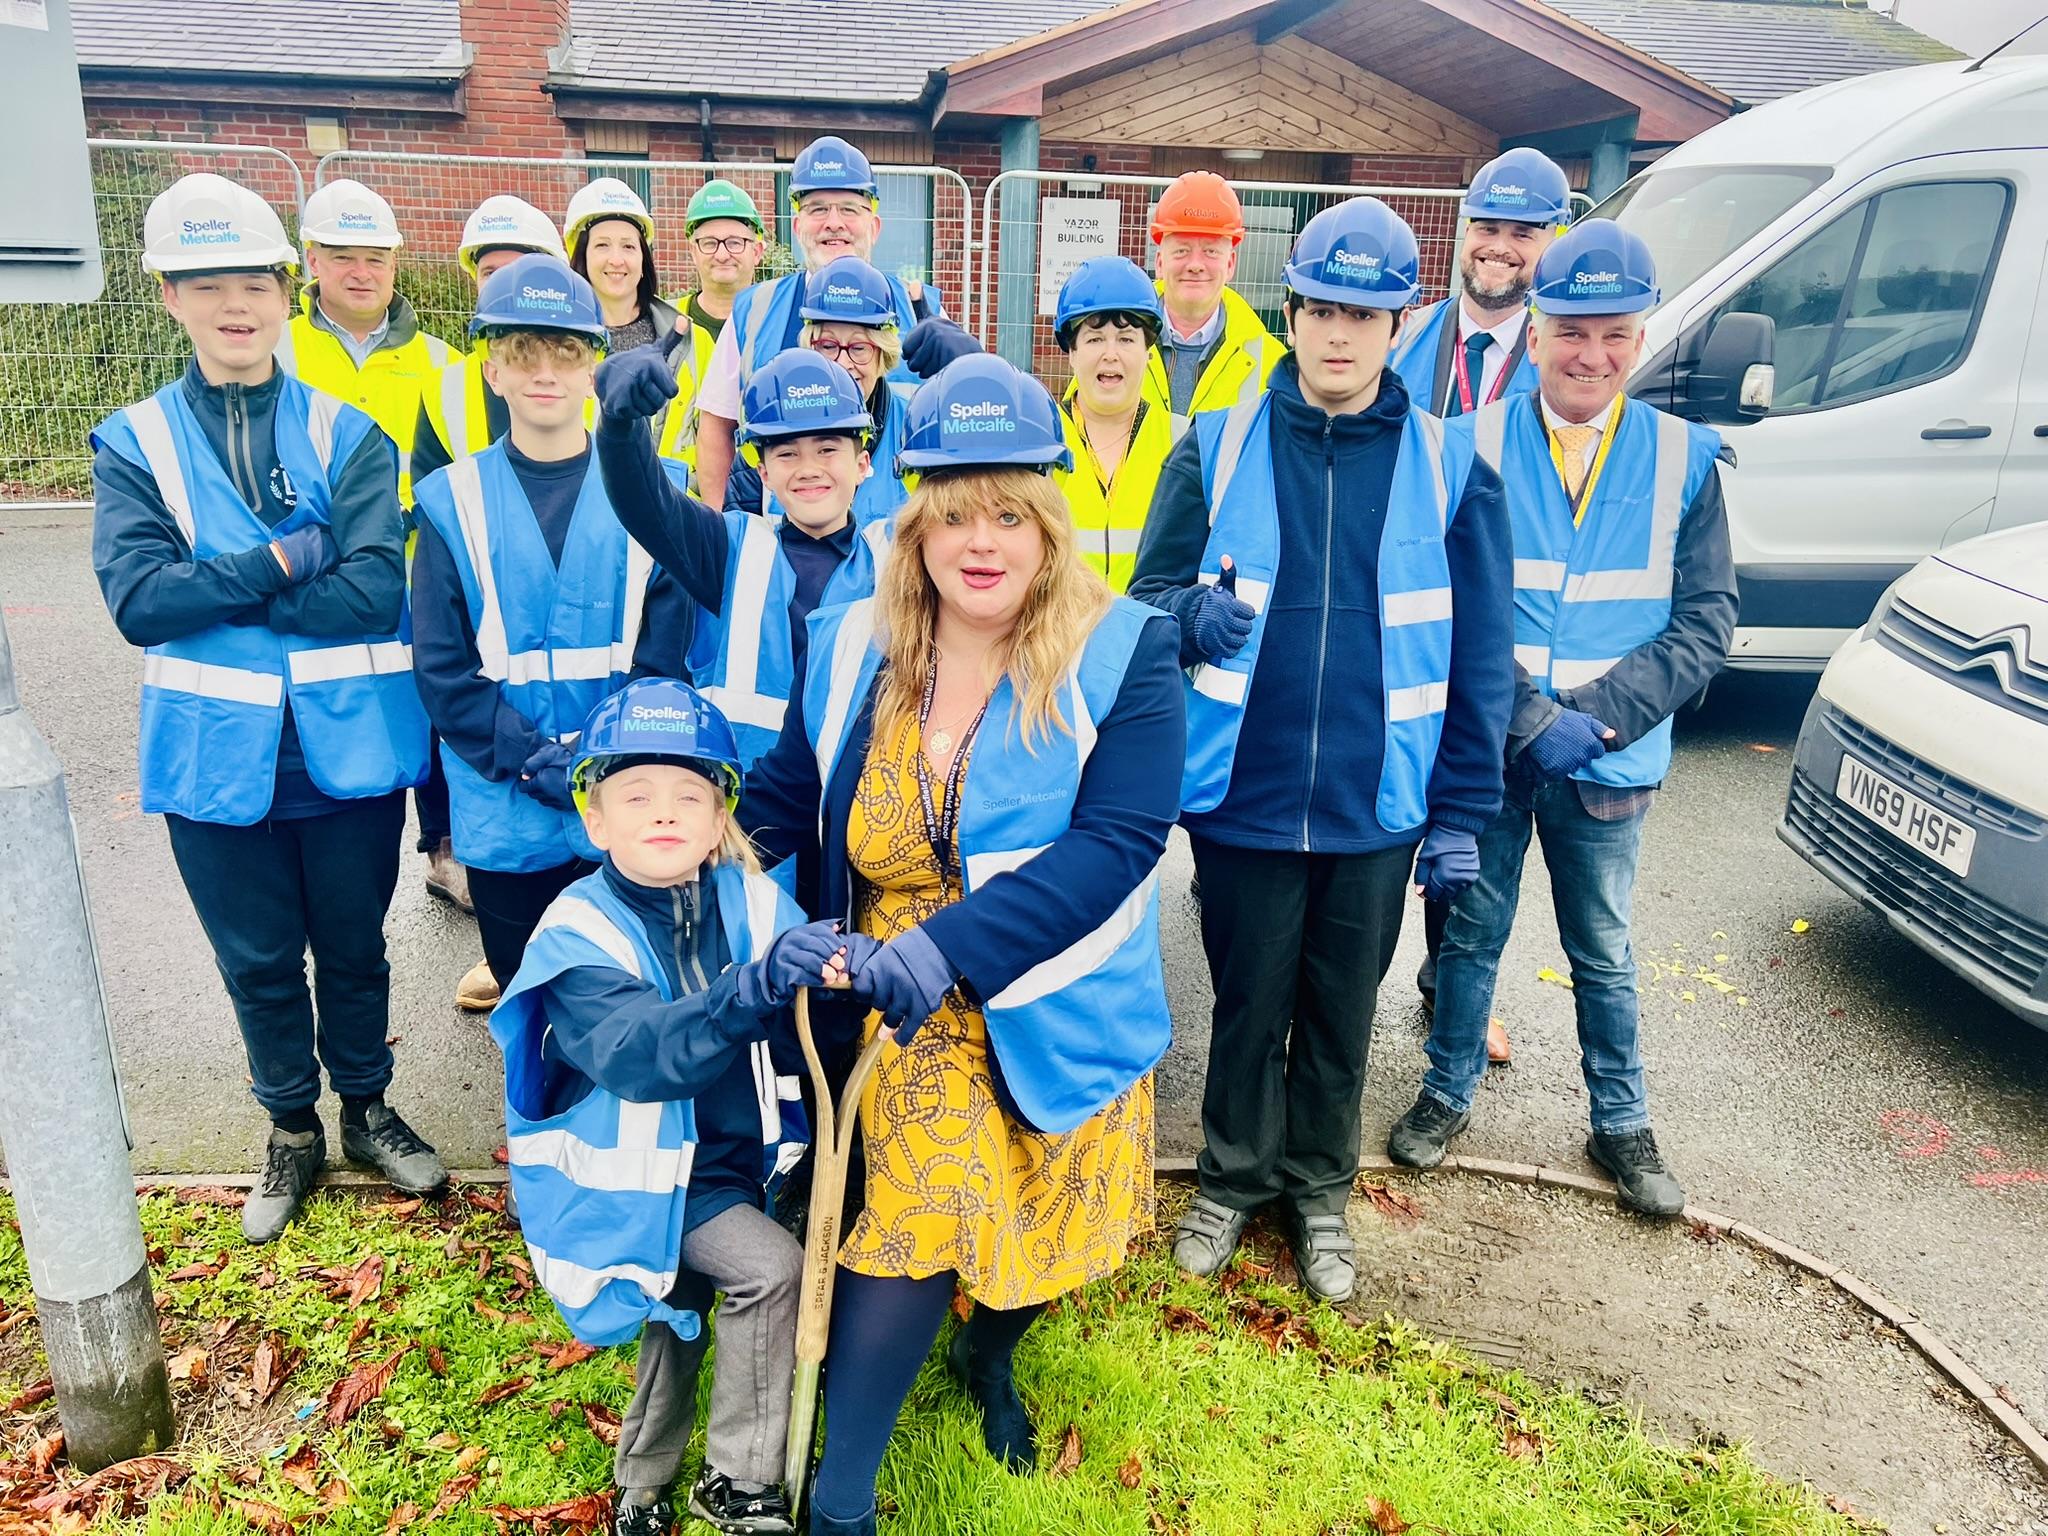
[[1498, 1051], [448, 879], [478, 991]]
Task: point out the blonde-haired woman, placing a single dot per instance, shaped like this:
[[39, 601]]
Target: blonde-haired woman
[[988, 748]]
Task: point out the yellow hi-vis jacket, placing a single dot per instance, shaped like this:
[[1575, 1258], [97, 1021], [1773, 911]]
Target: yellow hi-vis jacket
[[690, 359], [390, 384], [1109, 510], [455, 405], [1238, 370]]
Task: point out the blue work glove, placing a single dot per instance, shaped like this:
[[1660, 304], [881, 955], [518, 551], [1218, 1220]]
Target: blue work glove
[[1223, 621], [906, 979], [796, 959], [1566, 745], [545, 775], [1447, 864], [933, 343], [308, 552], [634, 385]]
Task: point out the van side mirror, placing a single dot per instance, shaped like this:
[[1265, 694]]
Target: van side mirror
[[1734, 378]]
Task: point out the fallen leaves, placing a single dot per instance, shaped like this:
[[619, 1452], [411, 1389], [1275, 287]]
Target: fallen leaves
[[50, 1447], [491, 1396], [603, 1422], [267, 1518], [1384, 1518], [1178, 1319], [1069, 1457], [1132, 1473], [574, 1517], [362, 1386], [437, 1360], [575, 1352], [472, 1456], [1391, 1203], [453, 1492], [401, 1517], [302, 1469], [41, 1392], [189, 1365], [367, 1281]]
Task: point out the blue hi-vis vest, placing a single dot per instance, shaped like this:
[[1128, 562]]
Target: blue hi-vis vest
[[1423, 345], [764, 314], [740, 657], [555, 640], [1414, 601], [1586, 595], [881, 496], [602, 1185], [1076, 1030], [213, 702]]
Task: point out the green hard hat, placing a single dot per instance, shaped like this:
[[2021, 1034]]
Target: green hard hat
[[720, 200]]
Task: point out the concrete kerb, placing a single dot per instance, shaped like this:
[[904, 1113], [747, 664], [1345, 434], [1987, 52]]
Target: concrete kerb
[[1866, 1296]]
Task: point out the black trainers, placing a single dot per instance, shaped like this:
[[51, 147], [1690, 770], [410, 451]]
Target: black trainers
[[386, 1143], [656, 1518], [291, 1164], [1005, 1422], [1641, 1179], [1325, 1256], [716, 1502], [1419, 1137], [1206, 1236]]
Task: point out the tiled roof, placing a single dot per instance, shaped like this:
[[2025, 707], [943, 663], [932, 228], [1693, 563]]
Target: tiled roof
[[352, 39], [1759, 50], [880, 51]]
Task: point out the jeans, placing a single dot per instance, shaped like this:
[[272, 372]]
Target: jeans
[[267, 893], [1592, 883]]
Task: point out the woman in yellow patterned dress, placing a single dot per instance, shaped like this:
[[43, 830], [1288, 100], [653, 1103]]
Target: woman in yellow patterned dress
[[990, 751]]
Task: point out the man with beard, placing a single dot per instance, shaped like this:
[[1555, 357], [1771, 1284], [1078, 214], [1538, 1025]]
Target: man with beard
[[1512, 212]]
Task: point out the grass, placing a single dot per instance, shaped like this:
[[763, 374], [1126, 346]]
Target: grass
[[1164, 1405]]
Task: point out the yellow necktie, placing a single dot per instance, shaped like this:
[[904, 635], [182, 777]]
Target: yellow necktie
[[1572, 443]]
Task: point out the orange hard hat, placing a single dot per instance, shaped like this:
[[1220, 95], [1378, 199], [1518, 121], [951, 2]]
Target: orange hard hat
[[1198, 203]]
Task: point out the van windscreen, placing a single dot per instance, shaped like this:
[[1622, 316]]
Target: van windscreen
[[1692, 216]]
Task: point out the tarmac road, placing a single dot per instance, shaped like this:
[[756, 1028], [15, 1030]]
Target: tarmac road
[[1846, 1093]]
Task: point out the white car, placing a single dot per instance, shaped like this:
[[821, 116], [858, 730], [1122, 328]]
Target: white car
[[1920, 783]]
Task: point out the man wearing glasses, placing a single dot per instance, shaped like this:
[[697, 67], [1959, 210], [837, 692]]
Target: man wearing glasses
[[725, 234], [1213, 350]]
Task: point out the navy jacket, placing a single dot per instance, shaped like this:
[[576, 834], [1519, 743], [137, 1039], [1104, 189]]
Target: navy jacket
[[156, 591], [1122, 813], [465, 706], [616, 1031], [1307, 771]]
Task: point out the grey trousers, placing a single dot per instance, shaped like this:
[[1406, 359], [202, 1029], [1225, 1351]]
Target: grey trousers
[[759, 1267]]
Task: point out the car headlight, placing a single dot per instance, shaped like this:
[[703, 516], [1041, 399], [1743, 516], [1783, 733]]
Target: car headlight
[[1878, 614]]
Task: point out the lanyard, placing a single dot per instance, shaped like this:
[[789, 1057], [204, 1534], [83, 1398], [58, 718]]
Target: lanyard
[[1464, 372], [942, 821], [1584, 499]]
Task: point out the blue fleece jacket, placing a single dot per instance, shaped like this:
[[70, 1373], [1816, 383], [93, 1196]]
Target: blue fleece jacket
[[1307, 771]]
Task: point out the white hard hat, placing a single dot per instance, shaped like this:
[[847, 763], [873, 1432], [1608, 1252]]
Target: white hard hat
[[349, 213], [505, 222], [605, 198], [206, 223]]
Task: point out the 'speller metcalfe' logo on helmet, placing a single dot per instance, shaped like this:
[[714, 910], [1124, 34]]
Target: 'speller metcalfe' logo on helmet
[[533, 295], [661, 712], [497, 223], [358, 221], [983, 416], [1354, 264], [1501, 194], [827, 167], [807, 396], [208, 232], [841, 292]]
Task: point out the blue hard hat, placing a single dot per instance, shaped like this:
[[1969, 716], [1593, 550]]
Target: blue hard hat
[[1595, 268], [1106, 285], [799, 393], [978, 412], [538, 292], [662, 719], [1523, 186], [1360, 253], [830, 164], [848, 290]]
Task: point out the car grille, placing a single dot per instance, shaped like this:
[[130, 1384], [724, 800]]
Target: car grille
[[1927, 898], [1931, 783], [1994, 668]]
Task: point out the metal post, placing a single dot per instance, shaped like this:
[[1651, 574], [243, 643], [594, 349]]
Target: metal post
[[1017, 297], [61, 1123]]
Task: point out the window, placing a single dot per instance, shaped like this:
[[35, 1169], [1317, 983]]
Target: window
[[1885, 297], [1692, 217], [905, 248], [622, 166]]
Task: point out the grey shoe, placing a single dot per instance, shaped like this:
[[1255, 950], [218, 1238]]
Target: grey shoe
[[447, 879], [291, 1164], [1419, 1137], [1641, 1179], [386, 1143], [1326, 1256], [1206, 1236]]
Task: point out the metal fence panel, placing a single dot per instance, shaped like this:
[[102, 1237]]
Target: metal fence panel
[[1012, 221], [63, 367]]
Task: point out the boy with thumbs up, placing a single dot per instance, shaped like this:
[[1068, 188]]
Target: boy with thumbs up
[[1343, 581]]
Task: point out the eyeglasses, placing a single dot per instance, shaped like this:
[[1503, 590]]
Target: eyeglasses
[[732, 245], [833, 210], [856, 352]]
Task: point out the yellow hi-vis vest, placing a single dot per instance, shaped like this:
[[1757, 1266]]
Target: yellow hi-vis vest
[[1238, 371], [1108, 519], [387, 388], [678, 438], [455, 406]]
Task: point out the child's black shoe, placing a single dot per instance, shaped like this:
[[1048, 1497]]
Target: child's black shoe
[[654, 1518], [717, 1502]]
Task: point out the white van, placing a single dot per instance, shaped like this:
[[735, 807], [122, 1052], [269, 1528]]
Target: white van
[[1892, 228]]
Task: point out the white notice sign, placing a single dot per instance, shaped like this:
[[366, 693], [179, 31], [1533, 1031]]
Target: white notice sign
[[1072, 230]]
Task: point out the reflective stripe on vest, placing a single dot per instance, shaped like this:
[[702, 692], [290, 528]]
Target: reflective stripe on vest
[[1046, 1027], [1414, 601], [1246, 345], [752, 669], [1586, 594], [1421, 348], [213, 701], [603, 1185], [678, 438], [389, 385]]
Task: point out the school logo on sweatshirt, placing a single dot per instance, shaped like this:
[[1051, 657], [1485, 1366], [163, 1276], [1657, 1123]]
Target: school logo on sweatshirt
[[282, 491]]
